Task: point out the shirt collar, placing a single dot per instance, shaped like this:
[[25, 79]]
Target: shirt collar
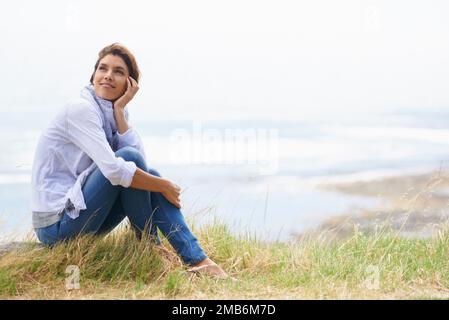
[[102, 102]]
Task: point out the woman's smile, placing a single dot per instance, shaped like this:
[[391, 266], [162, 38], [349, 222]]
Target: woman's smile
[[107, 85]]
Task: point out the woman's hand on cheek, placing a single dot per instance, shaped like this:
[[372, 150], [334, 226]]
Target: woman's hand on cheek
[[131, 90]]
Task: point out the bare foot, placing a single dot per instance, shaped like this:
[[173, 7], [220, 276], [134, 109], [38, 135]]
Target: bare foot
[[209, 268]]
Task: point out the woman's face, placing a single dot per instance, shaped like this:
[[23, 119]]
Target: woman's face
[[110, 77]]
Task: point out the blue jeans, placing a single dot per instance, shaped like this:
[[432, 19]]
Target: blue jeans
[[107, 205]]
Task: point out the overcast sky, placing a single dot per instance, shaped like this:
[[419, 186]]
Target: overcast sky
[[229, 57]]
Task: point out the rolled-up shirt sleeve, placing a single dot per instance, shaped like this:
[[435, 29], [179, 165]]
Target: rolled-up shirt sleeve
[[84, 129]]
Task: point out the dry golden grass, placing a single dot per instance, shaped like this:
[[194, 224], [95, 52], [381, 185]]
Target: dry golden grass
[[379, 266]]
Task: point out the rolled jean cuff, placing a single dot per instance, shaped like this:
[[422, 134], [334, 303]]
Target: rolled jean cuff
[[193, 260]]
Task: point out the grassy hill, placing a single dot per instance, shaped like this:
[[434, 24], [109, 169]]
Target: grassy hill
[[381, 265]]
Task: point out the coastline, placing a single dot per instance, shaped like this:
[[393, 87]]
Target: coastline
[[410, 205], [413, 203]]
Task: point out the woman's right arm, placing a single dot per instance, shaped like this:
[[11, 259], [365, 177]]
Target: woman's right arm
[[145, 181], [84, 130]]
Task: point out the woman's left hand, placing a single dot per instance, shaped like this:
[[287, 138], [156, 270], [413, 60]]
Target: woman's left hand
[[131, 90]]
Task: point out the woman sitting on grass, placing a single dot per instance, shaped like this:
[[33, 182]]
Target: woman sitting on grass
[[90, 170]]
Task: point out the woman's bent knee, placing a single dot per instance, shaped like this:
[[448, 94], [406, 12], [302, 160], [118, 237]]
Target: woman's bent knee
[[132, 154]]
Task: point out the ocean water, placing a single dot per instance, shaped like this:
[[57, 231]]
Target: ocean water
[[260, 176]]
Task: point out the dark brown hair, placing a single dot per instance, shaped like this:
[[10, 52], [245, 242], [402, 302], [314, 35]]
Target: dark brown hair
[[120, 50]]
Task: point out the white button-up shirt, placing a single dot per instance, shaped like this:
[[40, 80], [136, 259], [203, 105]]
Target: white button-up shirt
[[72, 147]]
